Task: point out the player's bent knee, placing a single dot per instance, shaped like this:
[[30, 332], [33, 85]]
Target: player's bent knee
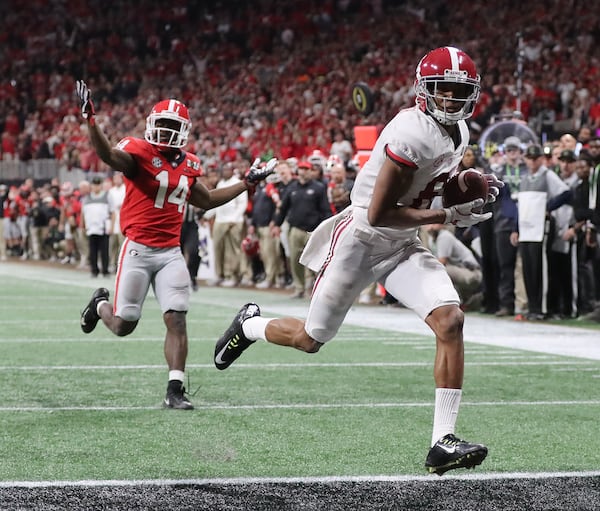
[[175, 320], [448, 322], [304, 342], [315, 347], [123, 327]]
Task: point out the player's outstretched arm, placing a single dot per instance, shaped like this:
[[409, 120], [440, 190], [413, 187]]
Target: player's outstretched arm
[[204, 198], [115, 158]]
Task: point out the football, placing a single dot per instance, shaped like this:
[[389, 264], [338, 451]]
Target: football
[[468, 185], [363, 98]]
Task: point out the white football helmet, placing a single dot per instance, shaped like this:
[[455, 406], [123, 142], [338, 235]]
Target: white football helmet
[[447, 69], [168, 124]]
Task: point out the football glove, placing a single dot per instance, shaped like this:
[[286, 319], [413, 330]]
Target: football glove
[[494, 185], [85, 97], [462, 215], [257, 172]]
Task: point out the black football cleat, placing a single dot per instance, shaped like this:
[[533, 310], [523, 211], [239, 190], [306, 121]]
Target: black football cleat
[[176, 397], [89, 315], [233, 342], [450, 452]]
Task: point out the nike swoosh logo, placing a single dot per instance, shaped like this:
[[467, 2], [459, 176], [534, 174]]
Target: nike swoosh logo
[[448, 449], [219, 356]]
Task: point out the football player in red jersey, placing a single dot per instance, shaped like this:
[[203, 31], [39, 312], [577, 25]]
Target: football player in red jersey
[[160, 177]]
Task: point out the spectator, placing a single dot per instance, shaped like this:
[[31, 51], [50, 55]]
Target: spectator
[[12, 231], [116, 196], [96, 221], [338, 188], [38, 225], [81, 240], [228, 230], [512, 171], [265, 202], [576, 234], [23, 203], [341, 147], [304, 207], [540, 192], [51, 239], [70, 219], [562, 277]]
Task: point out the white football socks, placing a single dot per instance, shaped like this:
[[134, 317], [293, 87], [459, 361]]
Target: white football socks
[[254, 328], [177, 375], [98, 306], [447, 402]]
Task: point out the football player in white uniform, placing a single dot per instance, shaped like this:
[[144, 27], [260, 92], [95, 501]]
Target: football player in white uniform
[[375, 239]]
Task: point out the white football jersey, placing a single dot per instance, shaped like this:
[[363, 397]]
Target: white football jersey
[[415, 139]]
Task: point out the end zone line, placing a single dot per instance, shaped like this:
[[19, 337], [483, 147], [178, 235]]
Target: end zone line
[[298, 480]]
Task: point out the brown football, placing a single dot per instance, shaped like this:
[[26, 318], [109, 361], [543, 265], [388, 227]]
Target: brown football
[[468, 185]]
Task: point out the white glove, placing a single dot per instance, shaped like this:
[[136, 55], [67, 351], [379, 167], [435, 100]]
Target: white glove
[[85, 98], [494, 185], [259, 172], [462, 215]]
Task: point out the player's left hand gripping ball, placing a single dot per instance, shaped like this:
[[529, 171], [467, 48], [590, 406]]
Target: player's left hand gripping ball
[[258, 172], [85, 97]]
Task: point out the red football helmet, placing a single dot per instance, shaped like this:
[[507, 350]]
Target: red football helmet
[[442, 70], [250, 246], [168, 124], [333, 160]]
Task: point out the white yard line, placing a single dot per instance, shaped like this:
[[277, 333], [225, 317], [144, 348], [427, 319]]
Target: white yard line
[[300, 406], [92, 483], [570, 364]]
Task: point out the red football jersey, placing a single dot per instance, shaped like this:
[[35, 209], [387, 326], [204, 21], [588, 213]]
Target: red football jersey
[[152, 212]]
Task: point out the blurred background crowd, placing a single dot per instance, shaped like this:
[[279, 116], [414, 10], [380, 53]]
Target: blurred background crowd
[[267, 78]]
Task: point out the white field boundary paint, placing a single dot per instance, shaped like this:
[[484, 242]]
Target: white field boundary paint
[[299, 480], [299, 406]]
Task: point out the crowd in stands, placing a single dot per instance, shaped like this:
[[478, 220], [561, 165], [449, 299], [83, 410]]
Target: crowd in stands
[[268, 78]]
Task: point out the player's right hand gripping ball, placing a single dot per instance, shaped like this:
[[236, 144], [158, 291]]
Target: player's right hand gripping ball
[[465, 186], [85, 98]]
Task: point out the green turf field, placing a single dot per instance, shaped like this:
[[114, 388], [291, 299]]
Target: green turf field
[[87, 407]]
